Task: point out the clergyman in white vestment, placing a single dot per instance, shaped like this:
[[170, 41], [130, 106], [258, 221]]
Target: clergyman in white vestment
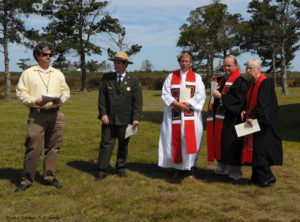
[[196, 102]]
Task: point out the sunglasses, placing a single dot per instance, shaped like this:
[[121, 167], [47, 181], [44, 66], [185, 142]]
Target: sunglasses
[[46, 54]]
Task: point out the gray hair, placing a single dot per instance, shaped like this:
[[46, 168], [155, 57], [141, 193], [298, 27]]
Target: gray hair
[[254, 62]]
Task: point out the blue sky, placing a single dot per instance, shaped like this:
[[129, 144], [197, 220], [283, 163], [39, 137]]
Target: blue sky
[[154, 24]]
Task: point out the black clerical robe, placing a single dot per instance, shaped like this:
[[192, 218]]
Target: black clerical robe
[[267, 144], [233, 101]]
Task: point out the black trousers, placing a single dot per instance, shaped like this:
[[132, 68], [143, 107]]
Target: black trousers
[[261, 174], [109, 135]]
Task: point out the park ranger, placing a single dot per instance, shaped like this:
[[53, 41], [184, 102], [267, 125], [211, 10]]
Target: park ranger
[[119, 104]]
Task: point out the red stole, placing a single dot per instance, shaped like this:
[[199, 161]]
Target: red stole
[[251, 103], [189, 125], [214, 124]]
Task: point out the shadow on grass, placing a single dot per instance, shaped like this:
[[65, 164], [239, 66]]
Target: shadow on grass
[[290, 122], [149, 170], [14, 175], [152, 116], [11, 174], [85, 166], [209, 176], [153, 171], [88, 166]]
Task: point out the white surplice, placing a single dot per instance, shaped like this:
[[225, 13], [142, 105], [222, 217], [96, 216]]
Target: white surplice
[[165, 150]]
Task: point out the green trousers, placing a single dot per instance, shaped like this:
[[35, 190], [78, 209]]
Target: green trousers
[[109, 135]]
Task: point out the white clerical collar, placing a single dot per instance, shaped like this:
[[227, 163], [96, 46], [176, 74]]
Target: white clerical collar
[[182, 72]]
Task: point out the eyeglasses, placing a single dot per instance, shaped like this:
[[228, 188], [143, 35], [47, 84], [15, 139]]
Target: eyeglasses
[[249, 67], [46, 54]]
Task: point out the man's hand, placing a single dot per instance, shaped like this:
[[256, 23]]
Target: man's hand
[[135, 123], [216, 94], [40, 102], [105, 119], [188, 105], [214, 79], [178, 106], [243, 113], [56, 101], [249, 122]]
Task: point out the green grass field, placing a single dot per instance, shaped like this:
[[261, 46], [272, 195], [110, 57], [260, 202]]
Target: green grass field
[[149, 193]]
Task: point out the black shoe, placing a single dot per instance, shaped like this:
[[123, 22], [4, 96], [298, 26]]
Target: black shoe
[[192, 173], [267, 183], [178, 174], [100, 176], [22, 187], [122, 174], [54, 183]]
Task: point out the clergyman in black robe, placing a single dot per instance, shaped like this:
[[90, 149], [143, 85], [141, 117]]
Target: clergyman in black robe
[[267, 143], [232, 101]]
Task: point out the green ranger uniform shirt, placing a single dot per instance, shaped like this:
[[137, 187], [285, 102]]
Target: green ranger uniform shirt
[[122, 103]]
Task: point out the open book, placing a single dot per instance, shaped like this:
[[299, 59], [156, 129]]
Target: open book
[[244, 129]]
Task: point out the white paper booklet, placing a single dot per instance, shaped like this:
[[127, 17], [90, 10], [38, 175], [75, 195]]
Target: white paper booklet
[[213, 86], [50, 98], [185, 94], [244, 129], [130, 131]]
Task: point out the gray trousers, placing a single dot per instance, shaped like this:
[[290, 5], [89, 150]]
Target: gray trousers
[[44, 131]]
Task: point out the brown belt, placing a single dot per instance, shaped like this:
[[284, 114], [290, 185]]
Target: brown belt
[[38, 110]]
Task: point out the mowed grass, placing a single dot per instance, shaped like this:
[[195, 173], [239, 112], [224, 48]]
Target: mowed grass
[[149, 193]]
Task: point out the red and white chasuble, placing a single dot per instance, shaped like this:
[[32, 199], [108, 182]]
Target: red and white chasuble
[[181, 132]]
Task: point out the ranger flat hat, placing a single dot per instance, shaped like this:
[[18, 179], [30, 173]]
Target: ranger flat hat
[[121, 56]]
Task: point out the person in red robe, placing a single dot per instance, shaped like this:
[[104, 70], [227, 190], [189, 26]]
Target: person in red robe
[[264, 148]]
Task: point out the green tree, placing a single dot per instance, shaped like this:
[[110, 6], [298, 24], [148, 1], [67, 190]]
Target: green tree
[[146, 66], [211, 33], [104, 67], [92, 66], [117, 42], [12, 29], [61, 62], [74, 27], [258, 35], [22, 64], [273, 33]]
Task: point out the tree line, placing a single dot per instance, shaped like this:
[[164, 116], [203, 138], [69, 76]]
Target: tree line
[[74, 27], [210, 32], [272, 32]]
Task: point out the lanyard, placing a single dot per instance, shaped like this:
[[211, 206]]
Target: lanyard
[[46, 86]]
